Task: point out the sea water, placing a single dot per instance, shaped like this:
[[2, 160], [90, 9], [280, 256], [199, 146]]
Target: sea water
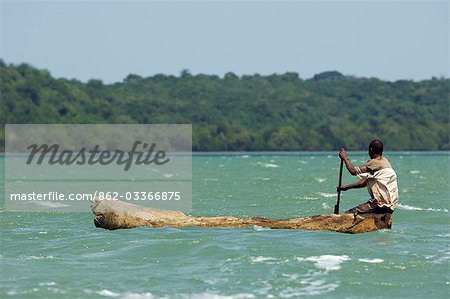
[[63, 255]]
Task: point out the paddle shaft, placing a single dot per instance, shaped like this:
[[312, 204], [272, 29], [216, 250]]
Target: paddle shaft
[[336, 207]]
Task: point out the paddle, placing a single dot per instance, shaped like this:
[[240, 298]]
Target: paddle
[[336, 207]]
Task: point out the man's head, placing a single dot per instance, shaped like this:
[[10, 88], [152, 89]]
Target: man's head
[[375, 148]]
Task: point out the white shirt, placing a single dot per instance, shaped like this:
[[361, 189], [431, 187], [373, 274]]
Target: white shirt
[[382, 186]]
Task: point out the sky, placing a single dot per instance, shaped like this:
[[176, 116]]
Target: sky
[[108, 40]]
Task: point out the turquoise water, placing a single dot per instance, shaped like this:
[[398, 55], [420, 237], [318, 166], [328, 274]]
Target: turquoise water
[[62, 255]]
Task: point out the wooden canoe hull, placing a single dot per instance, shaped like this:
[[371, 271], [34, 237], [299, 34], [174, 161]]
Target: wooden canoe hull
[[118, 214]]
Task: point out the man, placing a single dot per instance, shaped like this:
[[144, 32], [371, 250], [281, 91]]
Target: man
[[379, 177]]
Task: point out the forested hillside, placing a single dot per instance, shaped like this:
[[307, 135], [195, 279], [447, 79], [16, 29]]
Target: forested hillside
[[252, 112]]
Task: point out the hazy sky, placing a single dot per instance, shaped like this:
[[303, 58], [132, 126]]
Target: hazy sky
[[110, 39]]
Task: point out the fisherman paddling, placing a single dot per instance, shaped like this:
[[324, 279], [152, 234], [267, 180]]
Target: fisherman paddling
[[379, 177]]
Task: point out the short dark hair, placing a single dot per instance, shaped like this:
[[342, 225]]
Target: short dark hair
[[376, 146]]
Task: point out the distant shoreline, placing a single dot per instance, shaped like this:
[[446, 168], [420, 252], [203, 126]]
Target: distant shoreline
[[279, 112]]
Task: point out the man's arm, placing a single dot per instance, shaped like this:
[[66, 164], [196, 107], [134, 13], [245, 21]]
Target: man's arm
[[359, 184], [350, 167]]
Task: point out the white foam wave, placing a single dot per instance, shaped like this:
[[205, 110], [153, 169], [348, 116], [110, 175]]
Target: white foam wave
[[50, 283], [320, 180], [108, 293], [271, 165], [291, 277], [262, 178], [260, 228], [325, 206], [33, 257], [148, 295], [127, 295], [443, 259], [312, 287], [414, 171], [261, 259], [371, 261], [218, 296], [327, 194], [211, 280], [412, 208], [445, 235], [51, 204], [326, 262]]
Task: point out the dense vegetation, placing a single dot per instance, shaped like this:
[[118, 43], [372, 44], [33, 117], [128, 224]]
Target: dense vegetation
[[276, 112]]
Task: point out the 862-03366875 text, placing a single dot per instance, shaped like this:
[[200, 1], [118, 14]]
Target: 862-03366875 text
[[110, 195]]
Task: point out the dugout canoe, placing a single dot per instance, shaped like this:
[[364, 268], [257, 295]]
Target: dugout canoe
[[117, 214]]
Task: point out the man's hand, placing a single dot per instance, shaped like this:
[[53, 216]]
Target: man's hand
[[342, 188], [343, 154]]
